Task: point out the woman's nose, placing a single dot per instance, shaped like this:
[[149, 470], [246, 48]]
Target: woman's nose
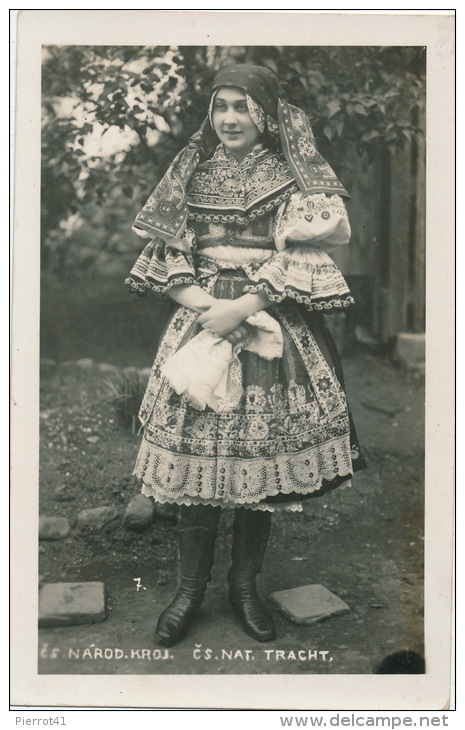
[[230, 117]]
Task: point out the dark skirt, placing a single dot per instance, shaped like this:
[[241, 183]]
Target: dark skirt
[[291, 436]]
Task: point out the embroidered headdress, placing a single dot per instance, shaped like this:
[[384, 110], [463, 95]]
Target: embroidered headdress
[[165, 213]]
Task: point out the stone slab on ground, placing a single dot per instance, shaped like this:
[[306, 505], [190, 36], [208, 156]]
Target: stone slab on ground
[[308, 604], [53, 528], [97, 517], [68, 604], [139, 513], [410, 350]]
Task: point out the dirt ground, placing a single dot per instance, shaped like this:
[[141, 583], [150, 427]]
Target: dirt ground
[[364, 543]]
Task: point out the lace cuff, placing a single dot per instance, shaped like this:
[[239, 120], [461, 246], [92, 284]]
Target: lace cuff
[[306, 274], [160, 267]]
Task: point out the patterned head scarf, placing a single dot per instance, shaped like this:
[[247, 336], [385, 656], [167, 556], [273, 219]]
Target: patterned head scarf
[[262, 91], [165, 213]]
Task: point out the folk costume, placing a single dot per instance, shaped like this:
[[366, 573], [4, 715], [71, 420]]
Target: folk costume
[[263, 426]]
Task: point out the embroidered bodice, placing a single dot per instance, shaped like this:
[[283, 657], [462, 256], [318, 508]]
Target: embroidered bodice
[[250, 213], [223, 189], [246, 210]]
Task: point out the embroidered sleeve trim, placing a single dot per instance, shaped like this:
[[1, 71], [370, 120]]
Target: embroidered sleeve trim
[[320, 304], [143, 287], [159, 268]]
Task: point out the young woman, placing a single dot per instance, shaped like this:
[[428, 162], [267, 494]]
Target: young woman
[[240, 228]]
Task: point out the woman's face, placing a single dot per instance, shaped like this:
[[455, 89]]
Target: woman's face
[[232, 121]]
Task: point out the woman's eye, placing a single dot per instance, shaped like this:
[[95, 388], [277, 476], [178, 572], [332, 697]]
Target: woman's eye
[[242, 108], [219, 107]]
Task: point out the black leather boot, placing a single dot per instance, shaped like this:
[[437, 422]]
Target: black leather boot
[[197, 533], [250, 538]]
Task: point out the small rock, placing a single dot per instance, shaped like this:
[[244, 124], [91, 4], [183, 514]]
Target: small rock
[[63, 494], [162, 582], [308, 604], [139, 513], [41, 549], [93, 439], [67, 604], [53, 528], [97, 517]]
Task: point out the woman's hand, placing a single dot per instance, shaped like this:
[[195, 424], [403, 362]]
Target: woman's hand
[[223, 318], [240, 335]]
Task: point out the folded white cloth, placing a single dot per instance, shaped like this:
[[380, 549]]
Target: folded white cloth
[[207, 370]]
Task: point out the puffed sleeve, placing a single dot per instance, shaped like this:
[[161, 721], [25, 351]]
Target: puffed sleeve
[[306, 228], [162, 265], [319, 220]]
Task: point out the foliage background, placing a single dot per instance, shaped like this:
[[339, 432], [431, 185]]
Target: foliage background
[[114, 116]]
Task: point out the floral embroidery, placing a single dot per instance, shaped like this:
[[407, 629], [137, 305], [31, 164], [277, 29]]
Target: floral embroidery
[[297, 393], [260, 210], [272, 423], [234, 188], [324, 384], [178, 325], [258, 430], [257, 113], [277, 398], [166, 208], [255, 399]]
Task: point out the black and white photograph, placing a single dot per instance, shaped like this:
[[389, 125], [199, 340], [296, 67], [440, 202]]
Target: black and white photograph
[[231, 253]]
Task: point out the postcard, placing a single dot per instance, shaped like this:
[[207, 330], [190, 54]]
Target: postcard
[[233, 328]]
